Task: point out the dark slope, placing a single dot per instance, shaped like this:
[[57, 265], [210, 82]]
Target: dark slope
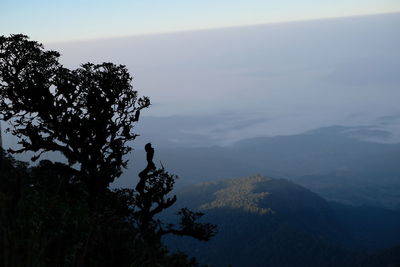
[[274, 222]]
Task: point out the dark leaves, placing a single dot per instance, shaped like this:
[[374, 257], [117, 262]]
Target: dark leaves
[[87, 114]]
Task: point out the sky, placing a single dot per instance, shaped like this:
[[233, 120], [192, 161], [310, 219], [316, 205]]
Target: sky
[[66, 20]]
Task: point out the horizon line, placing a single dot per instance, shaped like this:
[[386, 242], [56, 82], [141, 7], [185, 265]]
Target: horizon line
[[91, 39]]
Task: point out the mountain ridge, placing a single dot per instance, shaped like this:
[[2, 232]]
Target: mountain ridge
[[321, 232], [329, 161]]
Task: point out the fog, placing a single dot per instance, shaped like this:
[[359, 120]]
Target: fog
[[219, 86]]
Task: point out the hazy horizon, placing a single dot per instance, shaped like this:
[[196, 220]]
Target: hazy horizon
[[264, 80], [219, 86]]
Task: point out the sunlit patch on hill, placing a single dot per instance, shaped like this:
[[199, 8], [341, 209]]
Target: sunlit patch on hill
[[239, 194]]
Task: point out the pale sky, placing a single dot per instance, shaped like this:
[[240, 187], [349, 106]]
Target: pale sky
[[267, 80], [65, 20]]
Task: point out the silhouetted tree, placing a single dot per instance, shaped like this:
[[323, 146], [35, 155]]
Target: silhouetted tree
[[87, 114], [45, 220], [151, 198]]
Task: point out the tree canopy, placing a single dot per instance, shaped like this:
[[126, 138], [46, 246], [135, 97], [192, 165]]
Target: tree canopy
[[56, 214], [87, 114]]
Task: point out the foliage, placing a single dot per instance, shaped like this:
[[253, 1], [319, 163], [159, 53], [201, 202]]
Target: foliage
[[87, 114], [151, 199], [46, 221], [56, 214]]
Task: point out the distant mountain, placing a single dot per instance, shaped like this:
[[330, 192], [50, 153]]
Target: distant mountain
[[339, 163], [274, 222], [356, 188]]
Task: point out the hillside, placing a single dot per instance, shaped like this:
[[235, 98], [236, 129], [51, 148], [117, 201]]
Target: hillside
[[339, 163], [265, 221]]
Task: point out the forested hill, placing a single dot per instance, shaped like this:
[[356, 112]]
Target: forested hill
[[274, 222]]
